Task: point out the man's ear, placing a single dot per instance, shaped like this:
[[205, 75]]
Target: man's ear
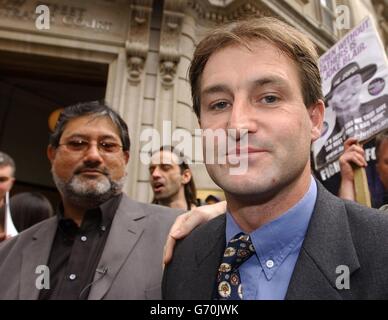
[[12, 182], [51, 151], [127, 156], [186, 176], [317, 114]]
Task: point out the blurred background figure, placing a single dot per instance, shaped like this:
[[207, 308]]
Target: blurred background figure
[[354, 155], [211, 199], [29, 208], [171, 179], [7, 174]]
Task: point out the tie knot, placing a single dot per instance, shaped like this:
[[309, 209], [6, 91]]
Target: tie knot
[[238, 250]]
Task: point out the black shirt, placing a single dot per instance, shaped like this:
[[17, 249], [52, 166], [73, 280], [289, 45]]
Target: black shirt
[[76, 252]]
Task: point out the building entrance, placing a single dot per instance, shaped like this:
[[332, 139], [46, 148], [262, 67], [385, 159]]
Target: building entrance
[[32, 87]]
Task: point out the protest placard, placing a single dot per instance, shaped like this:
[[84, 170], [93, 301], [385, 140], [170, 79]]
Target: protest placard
[[354, 82]]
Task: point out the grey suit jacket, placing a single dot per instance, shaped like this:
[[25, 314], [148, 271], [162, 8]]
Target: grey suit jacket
[[340, 233], [132, 256]]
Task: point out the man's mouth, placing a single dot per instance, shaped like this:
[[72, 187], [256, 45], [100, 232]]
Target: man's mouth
[[245, 151], [158, 186], [91, 172]]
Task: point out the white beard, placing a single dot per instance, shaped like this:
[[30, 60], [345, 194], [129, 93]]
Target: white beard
[[88, 193]]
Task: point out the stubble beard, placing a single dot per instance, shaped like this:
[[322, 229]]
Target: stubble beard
[[88, 193]]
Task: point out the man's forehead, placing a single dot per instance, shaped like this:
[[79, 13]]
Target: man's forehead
[[164, 157], [5, 170], [256, 46], [91, 125]]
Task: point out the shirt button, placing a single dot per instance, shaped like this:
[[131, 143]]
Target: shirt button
[[83, 238], [269, 264], [72, 276]]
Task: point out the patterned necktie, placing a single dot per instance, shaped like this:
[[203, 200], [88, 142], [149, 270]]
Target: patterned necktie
[[238, 250]]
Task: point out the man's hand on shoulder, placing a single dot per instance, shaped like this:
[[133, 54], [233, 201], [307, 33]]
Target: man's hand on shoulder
[[3, 236], [187, 222]]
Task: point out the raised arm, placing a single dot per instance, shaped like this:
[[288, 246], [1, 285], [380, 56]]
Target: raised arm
[[354, 155]]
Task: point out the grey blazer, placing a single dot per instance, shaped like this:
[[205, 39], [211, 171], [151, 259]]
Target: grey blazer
[[340, 233], [130, 266]]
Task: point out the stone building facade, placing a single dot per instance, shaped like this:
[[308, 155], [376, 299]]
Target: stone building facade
[[134, 54]]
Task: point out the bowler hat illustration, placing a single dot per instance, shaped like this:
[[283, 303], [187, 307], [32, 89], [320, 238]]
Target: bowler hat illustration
[[348, 71]]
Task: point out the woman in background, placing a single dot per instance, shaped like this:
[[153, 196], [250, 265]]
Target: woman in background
[[29, 208]]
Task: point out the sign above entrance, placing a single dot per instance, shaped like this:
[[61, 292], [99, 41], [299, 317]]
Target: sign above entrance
[[98, 20]]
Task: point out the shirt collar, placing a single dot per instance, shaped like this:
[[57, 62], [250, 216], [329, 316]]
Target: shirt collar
[[100, 217], [278, 238]]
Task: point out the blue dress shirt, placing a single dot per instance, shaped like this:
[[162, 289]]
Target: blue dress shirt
[[266, 275]]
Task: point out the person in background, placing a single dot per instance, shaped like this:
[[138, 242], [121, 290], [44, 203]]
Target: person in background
[[212, 199], [171, 179], [7, 178], [354, 155], [28, 209]]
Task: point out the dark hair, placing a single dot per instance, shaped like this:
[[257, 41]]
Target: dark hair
[[6, 160], [287, 39], [379, 140], [189, 188], [29, 208], [212, 197], [89, 108]]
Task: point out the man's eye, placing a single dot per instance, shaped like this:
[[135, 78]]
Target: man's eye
[[219, 105], [77, 143], [109, 146], [270, 99]]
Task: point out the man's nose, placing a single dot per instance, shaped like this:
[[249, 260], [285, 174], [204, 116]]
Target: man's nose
[[241, 121], [92, 154], [156, 173]]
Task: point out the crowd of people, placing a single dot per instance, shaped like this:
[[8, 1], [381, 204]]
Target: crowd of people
[[280, 235]]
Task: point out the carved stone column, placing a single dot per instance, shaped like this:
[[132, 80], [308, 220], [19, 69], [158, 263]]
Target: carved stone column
[[169, 57], [131, 106]]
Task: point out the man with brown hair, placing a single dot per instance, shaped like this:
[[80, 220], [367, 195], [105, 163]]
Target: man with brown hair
[[283, 236]]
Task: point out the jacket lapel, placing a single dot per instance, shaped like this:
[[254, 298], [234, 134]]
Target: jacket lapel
[[327, 245], [36, 253], [125, 231], [209, 251]]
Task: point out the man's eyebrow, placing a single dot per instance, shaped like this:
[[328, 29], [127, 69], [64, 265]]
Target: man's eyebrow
[[275, 80], [76, 135], [86, 137], [109, 136], [215, 89]]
